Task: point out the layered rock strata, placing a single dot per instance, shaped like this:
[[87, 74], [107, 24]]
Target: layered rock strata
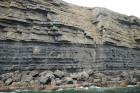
[[52, 34]]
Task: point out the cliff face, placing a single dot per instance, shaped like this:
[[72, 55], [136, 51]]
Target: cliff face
[[52, 34]]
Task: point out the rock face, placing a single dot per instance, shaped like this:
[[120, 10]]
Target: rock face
[[52, 34]]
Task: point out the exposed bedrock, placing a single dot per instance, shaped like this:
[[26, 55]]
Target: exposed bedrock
[[111, 57], [52, 34], [66, 56], [42, 56]]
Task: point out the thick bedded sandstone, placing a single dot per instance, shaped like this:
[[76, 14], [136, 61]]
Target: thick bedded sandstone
[[52, 34]]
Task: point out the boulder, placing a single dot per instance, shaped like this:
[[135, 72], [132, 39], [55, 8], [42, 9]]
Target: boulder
[[125, 74], [43, 79], [133, 81], [50, 75], [6, 76], [44, 73], [35, 82], [34, 73], [99, 75], [16, 77], [8, 81], [25, 73], [89, 71], [97, 80], [59, 74], [90, 79], [104, 79], [83, 76], [46, 77], [69, 80], [80, 76], [26, 78]]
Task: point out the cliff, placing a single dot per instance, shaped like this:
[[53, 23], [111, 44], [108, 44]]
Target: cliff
[[52, 34]]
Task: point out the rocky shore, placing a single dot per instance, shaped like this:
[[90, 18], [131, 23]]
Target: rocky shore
[[54, 80]]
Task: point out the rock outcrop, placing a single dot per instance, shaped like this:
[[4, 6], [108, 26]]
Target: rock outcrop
[[49, 81], [52, 34]]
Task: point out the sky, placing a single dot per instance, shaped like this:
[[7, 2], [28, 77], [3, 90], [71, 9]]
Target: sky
[[128, 7]]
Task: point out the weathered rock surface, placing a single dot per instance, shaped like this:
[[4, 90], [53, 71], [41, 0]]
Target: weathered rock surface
[[8, 81], [52, 34], [46, 79], [59, 74]]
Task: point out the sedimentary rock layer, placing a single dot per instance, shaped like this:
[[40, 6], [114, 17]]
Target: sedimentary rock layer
[[52, 34], [111, 57], [42, 56]]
